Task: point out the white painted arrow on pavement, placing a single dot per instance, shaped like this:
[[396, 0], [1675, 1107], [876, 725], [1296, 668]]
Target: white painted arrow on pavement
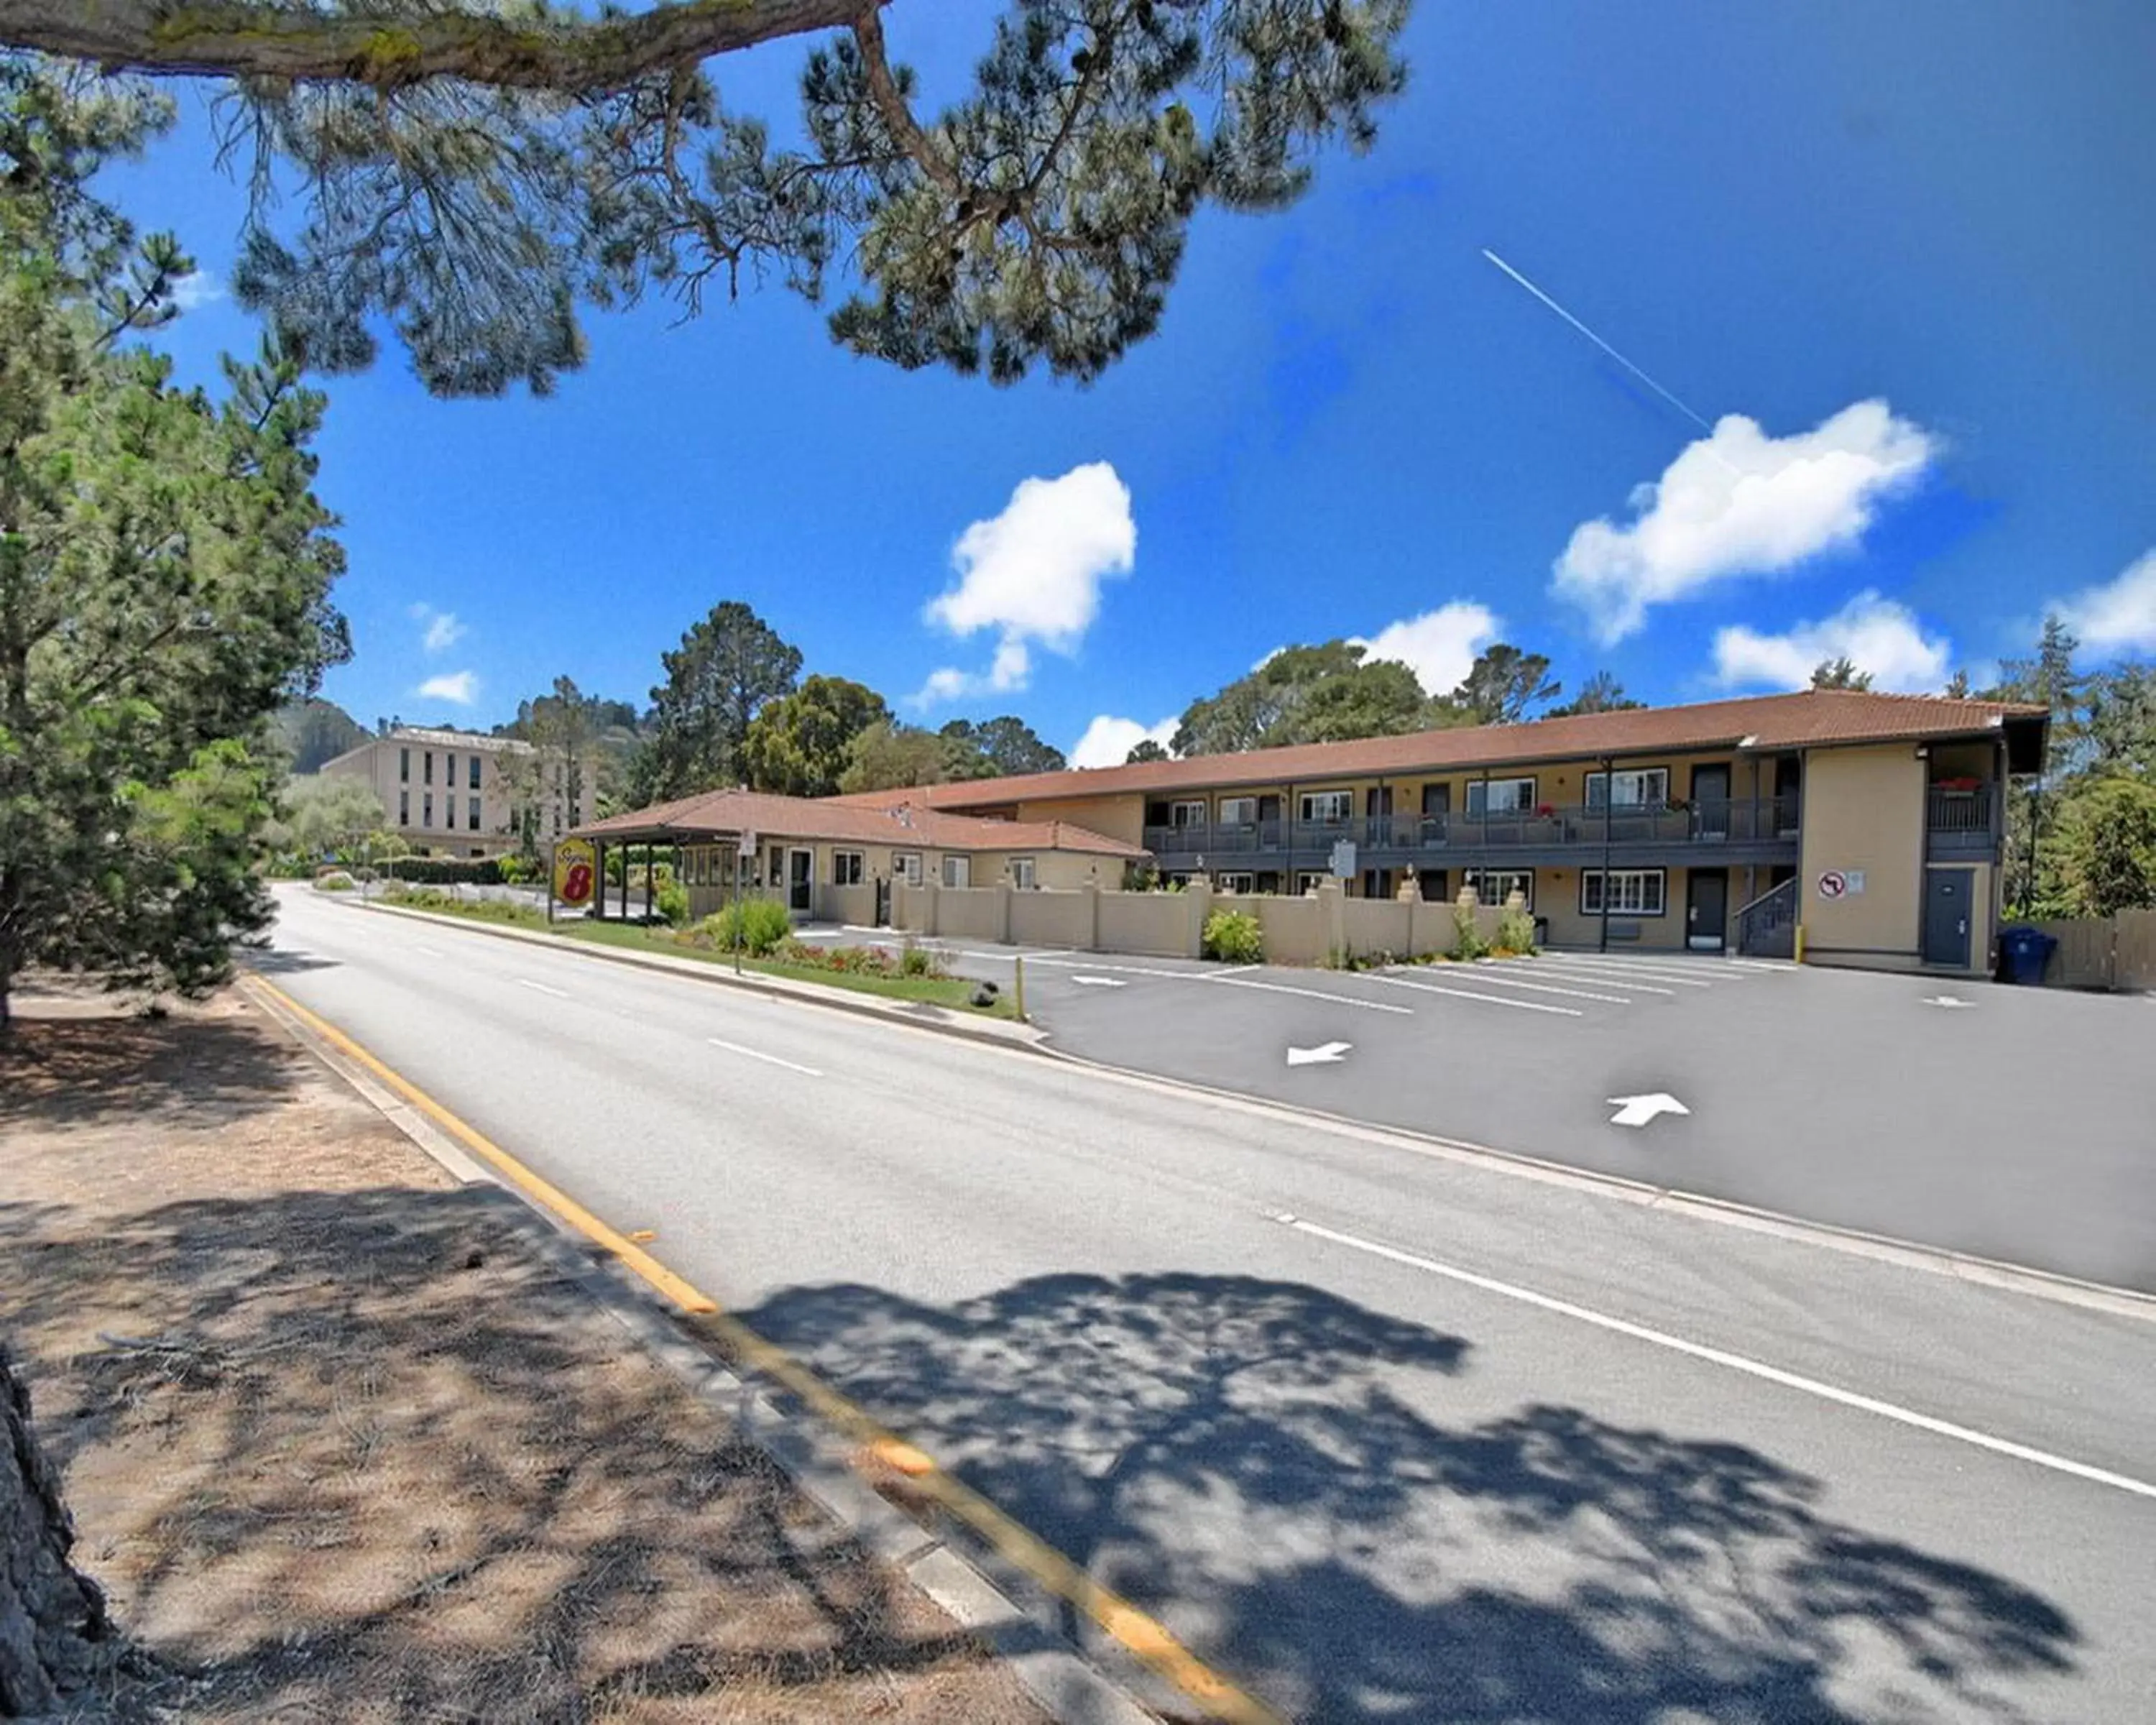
[[1948, 1000], [1638, 1111], [1100, 982], [1326, 1053]]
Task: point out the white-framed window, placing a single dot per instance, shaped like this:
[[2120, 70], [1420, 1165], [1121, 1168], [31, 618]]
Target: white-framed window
[[1632, 892], [1644, 787], [1496, 886], [403, 809], [1188, 814], [1500, 796], [427, 808], [846, 868], [472, 812], [1022, 873], [1307, 881], [1239, 811], [905, 866], [1325, 809], [1237, 880], [957, 871]]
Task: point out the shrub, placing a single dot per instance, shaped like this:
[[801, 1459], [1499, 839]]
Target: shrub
[[334, 880], [919, 961], [1467, 941], [444, 870], [1515, 929], [672, 902], [1234, 937], [516, 870], [757, 926]]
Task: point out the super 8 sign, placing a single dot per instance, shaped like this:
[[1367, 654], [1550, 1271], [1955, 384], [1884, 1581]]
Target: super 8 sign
[[576, 871]]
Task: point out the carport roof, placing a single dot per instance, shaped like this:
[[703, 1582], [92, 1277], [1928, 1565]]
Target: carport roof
[[714, 815], [1814, 718]]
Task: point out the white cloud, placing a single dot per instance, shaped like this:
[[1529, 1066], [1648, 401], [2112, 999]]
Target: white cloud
[[1739, 503], [2119, 616], [197, 287], [1875, 635], [1439, 646], [1108, 741], [1034, 573], [461, 687], [438, 631]]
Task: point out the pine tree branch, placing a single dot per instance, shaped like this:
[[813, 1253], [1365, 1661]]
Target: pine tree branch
[[262, 39]]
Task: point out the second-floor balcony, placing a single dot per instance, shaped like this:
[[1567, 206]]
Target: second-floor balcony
[[1964, 818], [1748, 821]]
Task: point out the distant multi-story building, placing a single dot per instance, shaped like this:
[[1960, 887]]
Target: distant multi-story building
[[456, 792]]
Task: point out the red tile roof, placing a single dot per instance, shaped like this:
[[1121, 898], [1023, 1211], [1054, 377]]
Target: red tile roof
[[1813, 718], [725, 813]]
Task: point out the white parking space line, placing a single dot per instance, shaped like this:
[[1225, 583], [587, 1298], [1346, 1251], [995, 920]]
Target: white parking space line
[[1237, 982], [1491, 973], [526, 981], [1569, 1011], [771, 1059], [1731, 1361], [1615, 970]]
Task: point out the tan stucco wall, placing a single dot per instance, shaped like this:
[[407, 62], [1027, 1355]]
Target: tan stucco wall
[[1050, 918], [1113, 817], [375, 763], [1864, 808], [1159, 923]]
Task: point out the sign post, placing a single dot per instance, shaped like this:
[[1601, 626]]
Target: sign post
[[574, 872], [747, 855]]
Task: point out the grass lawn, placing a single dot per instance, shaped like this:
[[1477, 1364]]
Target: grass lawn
[[951, 991]]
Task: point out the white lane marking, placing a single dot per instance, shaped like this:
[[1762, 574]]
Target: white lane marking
[[1240, 982], [1492, 974], [526, 981], [1730, 1361], [1326, 1053], [1948, 1000], [1100, 982], [1617, 971], [1642, 1110], [758, 1055], [1569, 1012], [1214, 976]]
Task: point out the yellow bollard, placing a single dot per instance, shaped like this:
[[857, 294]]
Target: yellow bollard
[[1018, 984], [1799, 954]]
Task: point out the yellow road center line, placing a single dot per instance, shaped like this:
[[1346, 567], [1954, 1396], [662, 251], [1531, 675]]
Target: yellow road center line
[[1140, 1634]]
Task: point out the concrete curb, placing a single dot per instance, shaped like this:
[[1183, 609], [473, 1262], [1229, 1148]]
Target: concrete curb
[[1022, 1631], [998, 1033]]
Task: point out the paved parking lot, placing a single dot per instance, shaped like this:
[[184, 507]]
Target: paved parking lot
[[2014, 1124]]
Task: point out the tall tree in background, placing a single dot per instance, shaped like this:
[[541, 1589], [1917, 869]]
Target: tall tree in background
[[1329, 692], [2107, 848], [799, 745], [1145, 749], [889, 756], [998, 748], [2048, 678], [1601, 693], [468, 174], [726, 670], [1839, 674], [326, 815], [1503, 683], [566, 768]]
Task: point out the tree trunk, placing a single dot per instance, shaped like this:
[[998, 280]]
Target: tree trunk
[[55, 1636]]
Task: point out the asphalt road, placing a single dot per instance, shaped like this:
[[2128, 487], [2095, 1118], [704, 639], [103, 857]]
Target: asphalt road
[[2016, 1124], [1450, 1444]]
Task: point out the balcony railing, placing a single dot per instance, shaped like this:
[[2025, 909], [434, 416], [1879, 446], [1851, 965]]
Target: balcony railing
[[1706, 822], [1962, 820]]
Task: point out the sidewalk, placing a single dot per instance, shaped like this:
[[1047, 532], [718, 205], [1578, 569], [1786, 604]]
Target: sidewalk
[[342, 1439]]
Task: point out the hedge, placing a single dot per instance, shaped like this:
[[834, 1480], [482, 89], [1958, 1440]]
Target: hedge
[[442, 870]]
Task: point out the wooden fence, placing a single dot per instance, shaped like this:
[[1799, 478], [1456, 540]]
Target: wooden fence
[[2102, 952]]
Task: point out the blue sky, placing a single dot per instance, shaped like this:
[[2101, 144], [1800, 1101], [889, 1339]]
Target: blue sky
[[1909, 245]]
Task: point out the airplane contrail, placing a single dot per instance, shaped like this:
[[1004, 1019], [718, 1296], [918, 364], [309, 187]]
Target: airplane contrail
[[1697, 419]]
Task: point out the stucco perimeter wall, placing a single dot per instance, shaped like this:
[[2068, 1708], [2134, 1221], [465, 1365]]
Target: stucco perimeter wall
[[1864, 810], [971, 913], [846, 904], [1053, 919], [1296, 929], [1161, 925]]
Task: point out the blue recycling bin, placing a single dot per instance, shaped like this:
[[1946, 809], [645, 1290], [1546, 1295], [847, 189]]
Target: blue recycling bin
[[2023, 953]]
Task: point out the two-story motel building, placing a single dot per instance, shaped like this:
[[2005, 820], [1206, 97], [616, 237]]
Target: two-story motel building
[[1874, 822]]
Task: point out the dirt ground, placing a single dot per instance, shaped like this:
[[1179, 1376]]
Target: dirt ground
[[341, 1445]]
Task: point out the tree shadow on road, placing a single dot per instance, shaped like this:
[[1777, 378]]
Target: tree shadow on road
[[1275, 1472]]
